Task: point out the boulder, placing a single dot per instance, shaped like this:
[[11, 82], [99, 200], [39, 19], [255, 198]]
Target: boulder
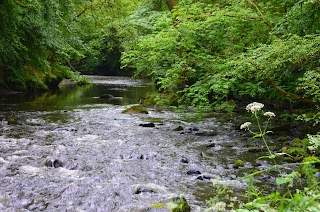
[[136, 109]]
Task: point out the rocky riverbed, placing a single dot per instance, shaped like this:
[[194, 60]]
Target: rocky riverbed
[[71, 150]]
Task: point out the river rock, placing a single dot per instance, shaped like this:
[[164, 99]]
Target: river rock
[[148, 156], [143, 189], [136, 109], [179, 128], [204, 177], [106, 96], [149, 188], [184, 160], [207, 133], [54, 163], [211, 145], [147, 125], [193, 172], [255, 149]]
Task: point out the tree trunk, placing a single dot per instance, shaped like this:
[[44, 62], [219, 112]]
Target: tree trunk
[[171, 4]]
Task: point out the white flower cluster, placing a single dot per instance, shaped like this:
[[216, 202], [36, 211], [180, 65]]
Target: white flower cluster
[[245, 125], [314, 141], [269, 114], [254, 107]]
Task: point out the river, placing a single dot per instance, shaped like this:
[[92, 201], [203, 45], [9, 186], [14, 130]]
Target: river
[[69, 150]]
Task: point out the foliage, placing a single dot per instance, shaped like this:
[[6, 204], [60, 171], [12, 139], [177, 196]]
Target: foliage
[[208, 52], [35, 39], [196, 42], [306, 196], [314, 143], [43, 41]]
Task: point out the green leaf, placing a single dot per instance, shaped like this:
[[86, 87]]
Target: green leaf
[[283, 180], [171, 205]]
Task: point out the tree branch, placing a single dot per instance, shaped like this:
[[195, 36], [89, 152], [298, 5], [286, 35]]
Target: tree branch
[[259, 11]]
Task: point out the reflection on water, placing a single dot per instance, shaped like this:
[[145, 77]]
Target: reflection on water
[[125, 90]]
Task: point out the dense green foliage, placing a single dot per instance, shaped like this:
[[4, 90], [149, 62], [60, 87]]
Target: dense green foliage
[[35, 39], [206, 52], [44, 41], [298, 190]]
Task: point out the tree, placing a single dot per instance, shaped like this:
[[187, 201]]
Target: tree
[[171, 4]]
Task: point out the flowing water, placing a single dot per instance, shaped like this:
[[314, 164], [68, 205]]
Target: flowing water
[[69, 150]]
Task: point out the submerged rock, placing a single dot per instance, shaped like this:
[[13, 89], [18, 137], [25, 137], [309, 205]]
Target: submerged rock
[[184, 160], [136, 109], [106, 96], [179, 128], [149, 188], [207, 133], [193, 172], [144, 189], [211, 145], [54, 163], [147, 125], [204, 177], [255, 149], [148, 156]]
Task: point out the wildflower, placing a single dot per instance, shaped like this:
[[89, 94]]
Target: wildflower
[[254, 107], [269, 114], [245, 125], [314, 142]]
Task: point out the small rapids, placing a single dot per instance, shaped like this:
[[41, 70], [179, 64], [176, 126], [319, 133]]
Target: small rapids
[[70, 150]]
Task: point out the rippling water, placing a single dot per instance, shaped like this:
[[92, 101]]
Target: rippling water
[[70, 150]]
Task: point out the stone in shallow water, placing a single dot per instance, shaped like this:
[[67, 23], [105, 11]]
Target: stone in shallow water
[[184, 160], [54, 163], [149, 188], [193, 172], [106, 96], [207, 133], [147, 125], [143, 189], [135, 110], [179, 128]]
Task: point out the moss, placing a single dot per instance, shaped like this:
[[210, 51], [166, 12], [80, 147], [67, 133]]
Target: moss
[[11, 121], [296, 142], [255, 149], [296, 152], [135, 110], [311, 159], [238, 163], [177, 204], [314, 159], [282, 139], [243, 138]]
